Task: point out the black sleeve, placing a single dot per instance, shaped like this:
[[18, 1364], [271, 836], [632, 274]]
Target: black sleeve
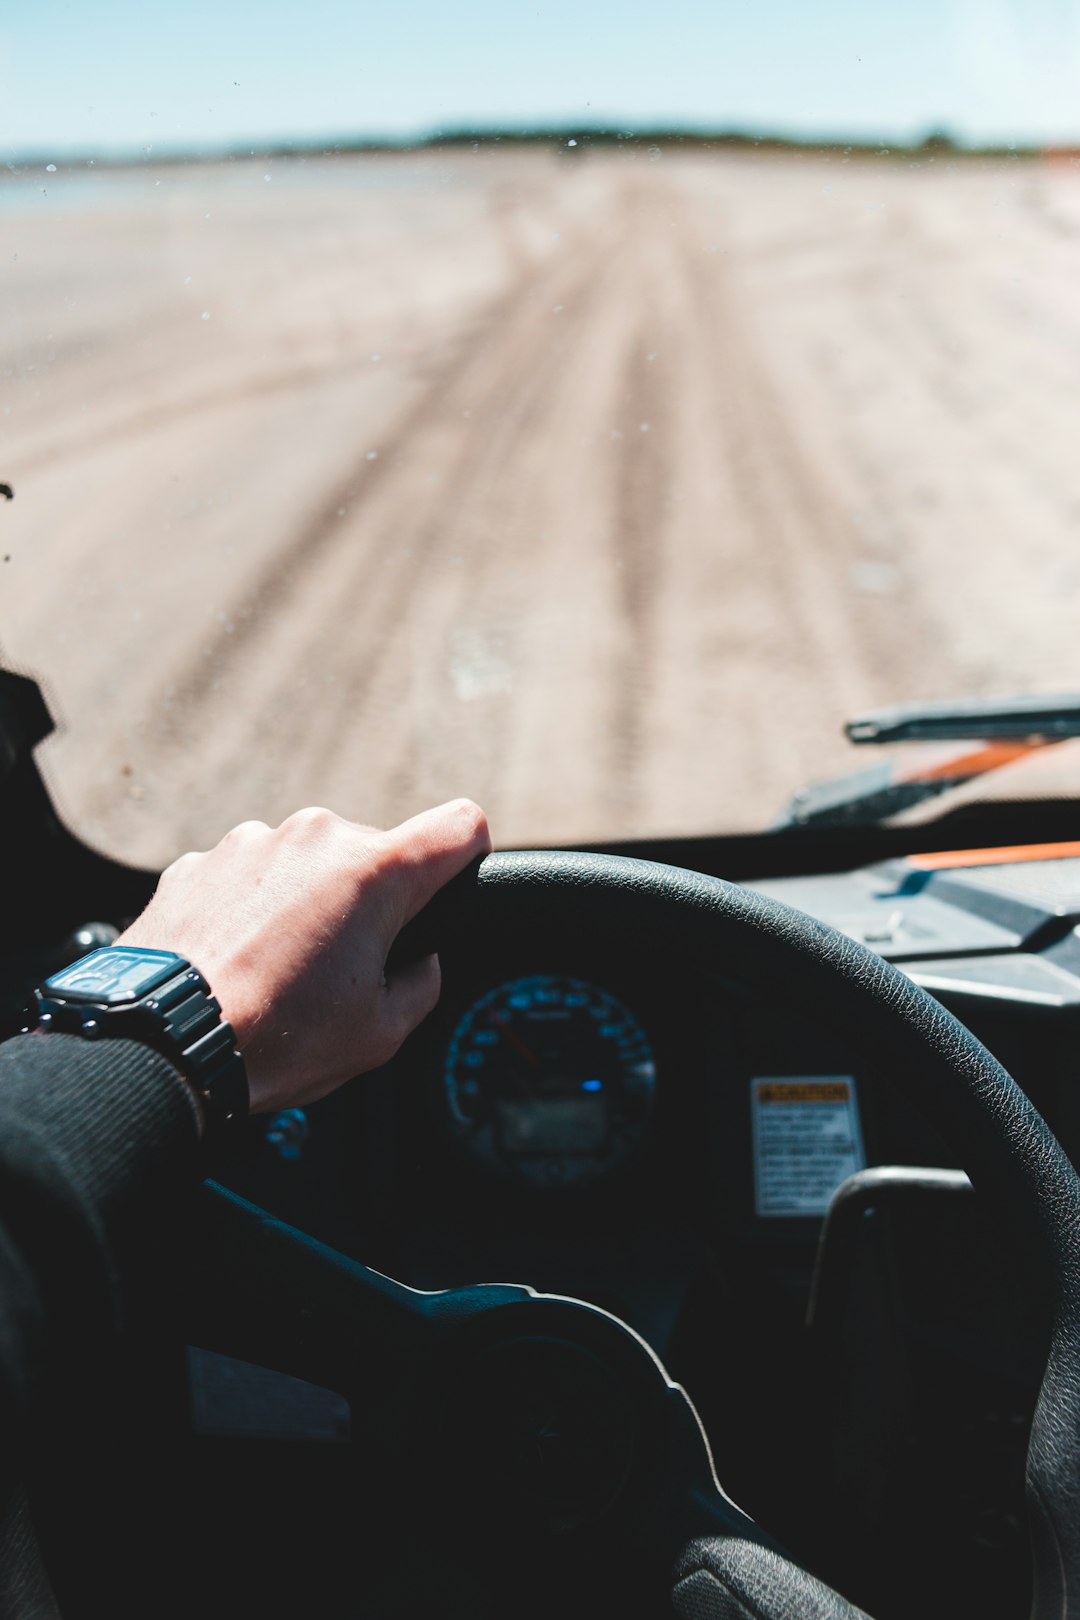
[[95, 1139]]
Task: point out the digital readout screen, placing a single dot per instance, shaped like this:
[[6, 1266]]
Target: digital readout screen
[[562, 1125]]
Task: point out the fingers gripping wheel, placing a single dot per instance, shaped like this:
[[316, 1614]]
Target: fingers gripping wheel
[[727, 1567]]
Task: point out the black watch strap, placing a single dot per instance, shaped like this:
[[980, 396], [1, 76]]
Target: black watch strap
[[203, 1046]]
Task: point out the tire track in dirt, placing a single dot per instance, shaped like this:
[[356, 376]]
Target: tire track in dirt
[[638, 532], [515, 360], [363, 486], [642, 460], [498, 494], [786, 530], [797, 522], [762, 626], [532, 465], [599, 551], [395, 520]]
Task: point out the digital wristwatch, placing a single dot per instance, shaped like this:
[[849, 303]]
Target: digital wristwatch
[[124, 993]]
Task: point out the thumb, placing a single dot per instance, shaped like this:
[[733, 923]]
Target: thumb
[[435, 846]]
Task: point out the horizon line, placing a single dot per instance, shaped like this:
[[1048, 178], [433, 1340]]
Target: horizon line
[[936, 140]]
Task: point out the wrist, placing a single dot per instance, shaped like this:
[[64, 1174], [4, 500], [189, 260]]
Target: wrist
[[126, 992]]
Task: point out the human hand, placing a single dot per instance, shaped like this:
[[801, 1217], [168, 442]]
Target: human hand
[[291, 927]]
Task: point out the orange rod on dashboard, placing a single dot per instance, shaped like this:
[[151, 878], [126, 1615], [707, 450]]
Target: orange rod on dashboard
[[993, 857], [963, 766]]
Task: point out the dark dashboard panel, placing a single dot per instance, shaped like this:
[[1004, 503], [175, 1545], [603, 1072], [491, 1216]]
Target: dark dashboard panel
[[664, 1233], [383, 1172], [995, 942]]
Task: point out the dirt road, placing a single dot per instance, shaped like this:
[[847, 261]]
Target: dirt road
[[602, 491]]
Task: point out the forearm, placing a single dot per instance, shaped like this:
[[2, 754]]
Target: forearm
[[95, 1140]]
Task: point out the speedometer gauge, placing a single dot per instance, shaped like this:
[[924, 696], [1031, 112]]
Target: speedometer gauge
[[549, 1079]]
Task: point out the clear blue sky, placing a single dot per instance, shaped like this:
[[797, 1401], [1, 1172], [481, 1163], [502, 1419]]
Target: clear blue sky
[[126, 74]]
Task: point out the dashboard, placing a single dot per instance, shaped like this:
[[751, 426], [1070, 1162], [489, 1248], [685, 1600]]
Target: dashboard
[[569, 1075], [598, 1120], [584, 1116]]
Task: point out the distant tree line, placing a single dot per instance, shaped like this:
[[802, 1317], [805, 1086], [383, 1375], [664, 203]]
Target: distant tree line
[[571, 142]]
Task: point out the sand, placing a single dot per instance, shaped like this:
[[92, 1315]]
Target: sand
[[602, 491]]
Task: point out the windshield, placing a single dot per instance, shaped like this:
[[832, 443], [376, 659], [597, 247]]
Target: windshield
[[587, 407]]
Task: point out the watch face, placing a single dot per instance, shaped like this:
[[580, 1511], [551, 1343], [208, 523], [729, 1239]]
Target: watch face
[[114, 975]]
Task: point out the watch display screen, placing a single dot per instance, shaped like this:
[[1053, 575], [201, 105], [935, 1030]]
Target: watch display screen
[[114, 975]]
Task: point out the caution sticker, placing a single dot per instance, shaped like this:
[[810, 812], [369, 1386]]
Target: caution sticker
[[807, 1140]]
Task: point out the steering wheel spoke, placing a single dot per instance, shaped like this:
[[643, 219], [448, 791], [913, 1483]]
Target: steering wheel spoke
[[551, 1413], [261, 1291]]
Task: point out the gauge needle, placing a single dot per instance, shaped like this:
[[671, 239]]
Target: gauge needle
[[516, 1041]]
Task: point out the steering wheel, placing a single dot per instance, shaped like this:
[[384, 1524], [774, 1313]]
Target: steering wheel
[[553, 1421]]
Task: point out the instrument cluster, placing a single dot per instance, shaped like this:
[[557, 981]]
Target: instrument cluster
[[549, 1080]]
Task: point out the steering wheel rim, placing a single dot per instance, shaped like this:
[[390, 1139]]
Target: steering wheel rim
[[1009, 1152]]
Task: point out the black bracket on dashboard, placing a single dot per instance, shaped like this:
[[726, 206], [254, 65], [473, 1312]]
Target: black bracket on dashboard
[[24, 720]]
